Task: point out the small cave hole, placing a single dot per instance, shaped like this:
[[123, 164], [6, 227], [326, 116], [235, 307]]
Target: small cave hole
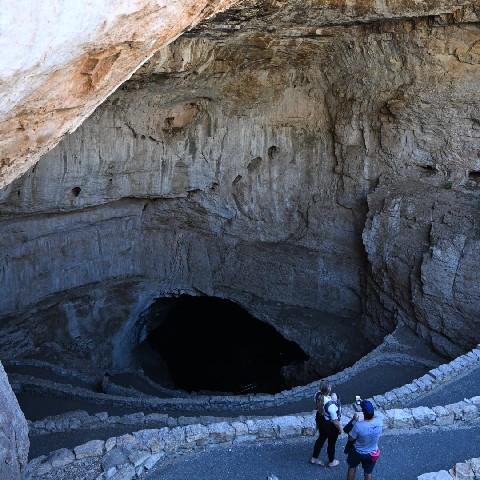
[[430, 169], [76, 191], [272, 151], [254, 164], [206, 344], [474, 175]]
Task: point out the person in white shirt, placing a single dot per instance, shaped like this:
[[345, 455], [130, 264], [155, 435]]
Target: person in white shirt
[[328, 424]]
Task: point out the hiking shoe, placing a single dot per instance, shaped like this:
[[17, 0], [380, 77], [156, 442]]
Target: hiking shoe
[[334, 463], [316, 462]]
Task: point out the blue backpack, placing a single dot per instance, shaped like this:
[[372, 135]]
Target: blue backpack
[[339, 407], [330, 402]]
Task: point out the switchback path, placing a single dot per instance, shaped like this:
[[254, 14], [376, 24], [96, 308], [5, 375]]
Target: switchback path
[[405, 456]]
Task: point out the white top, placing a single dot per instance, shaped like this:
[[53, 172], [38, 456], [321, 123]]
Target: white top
[[332, 408]]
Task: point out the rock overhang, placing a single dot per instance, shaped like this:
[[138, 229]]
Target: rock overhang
[[51, 96]]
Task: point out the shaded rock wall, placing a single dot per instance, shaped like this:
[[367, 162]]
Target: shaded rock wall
[[238, 163], [14, 442], [424, 261]]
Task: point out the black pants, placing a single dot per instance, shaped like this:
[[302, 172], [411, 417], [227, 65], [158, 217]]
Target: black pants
[[326, 431]]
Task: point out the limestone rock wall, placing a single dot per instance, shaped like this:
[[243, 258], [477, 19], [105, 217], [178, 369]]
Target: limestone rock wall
[[59, 61], [238, 161], [424, 261], [14, 442]]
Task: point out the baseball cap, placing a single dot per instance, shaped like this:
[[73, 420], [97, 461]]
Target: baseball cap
[[367, 407]]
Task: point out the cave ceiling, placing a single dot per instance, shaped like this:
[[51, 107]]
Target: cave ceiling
[[43, 101]]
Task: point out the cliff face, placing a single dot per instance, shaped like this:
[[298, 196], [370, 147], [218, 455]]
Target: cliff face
[[14, 441], [423, 244], [60, 61], [244, 160]]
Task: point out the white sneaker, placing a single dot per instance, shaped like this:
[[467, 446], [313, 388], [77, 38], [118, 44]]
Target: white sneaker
[[334, 463], [315, 461]]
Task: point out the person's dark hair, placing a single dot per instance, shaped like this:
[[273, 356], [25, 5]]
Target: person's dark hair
[[325, 387], [368, 416]]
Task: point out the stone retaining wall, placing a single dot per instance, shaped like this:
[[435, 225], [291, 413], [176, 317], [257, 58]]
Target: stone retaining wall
[[469, 470], [136, 453], [130, 456]]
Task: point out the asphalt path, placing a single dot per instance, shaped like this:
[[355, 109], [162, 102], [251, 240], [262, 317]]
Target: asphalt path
[[390, 376], [404, 456], [37, 407], [467, 386]]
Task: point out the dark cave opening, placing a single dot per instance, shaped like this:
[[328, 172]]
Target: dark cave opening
[[213, 345]]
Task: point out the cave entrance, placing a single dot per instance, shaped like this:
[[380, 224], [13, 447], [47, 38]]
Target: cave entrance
[[212, 345]]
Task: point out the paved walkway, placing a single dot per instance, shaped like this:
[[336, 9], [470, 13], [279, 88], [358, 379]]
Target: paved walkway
[[388, 377], [404, 456], [467, 386], [368, 382], [36, 406]]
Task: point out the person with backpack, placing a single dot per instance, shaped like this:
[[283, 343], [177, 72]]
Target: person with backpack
[[327, 419]]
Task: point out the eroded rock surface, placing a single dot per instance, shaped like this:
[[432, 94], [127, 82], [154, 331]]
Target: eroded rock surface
[[14, 442], [237, 162], [60, 62], [424, 257]]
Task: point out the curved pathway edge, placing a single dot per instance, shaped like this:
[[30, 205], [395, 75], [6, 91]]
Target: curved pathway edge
[[131, 456]]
